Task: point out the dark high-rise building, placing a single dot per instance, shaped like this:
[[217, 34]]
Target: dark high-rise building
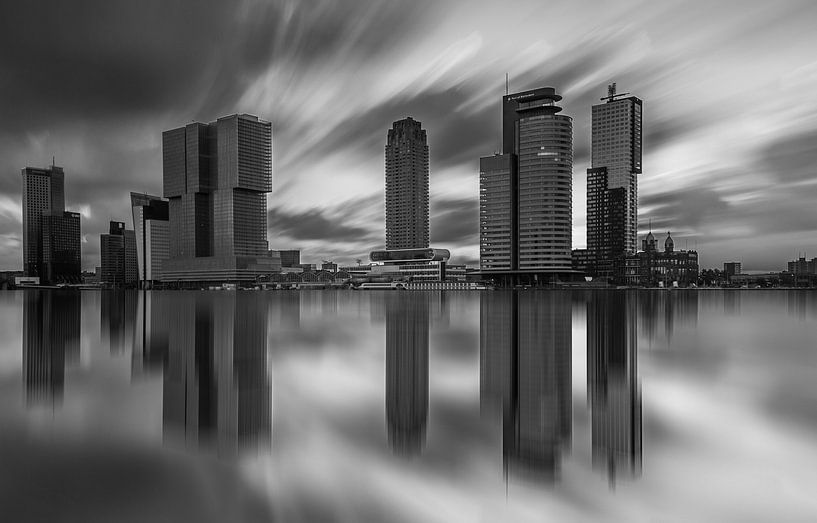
[[406, 186], [612, 183], [407, 331], [150, 227], [216, 177], [51, 338], [216, 387], [526, 192], [61, 246], [612, 382], [525, 369], [51, 236], [118, 256]]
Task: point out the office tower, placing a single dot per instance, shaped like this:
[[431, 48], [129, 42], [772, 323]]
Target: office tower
[[118, 255], [51, 338], [406, 186], [612, 183], [612, 383], [60, 246], [525, 368], [50, 235], [216, 177], [151, 230], [407, 331], [216, 386], [526, 191]]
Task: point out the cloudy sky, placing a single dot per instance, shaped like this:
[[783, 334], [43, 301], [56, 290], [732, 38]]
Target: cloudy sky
[[730, 114]]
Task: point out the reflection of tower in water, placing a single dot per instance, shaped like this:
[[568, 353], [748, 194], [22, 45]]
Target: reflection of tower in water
[[150, 335], [612, 382], [216, 389], [117, 313], [51, 338], [407, 331], [525, 353]]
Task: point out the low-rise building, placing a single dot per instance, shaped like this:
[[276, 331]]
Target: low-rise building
[[653, 268]]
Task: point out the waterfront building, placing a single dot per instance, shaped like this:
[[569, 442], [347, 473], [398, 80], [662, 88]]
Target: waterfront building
[[151, 233], [526, 192], [51, 236], [652, 267], [406, 186], [415, 265], [216, 178], [612, 182], [118, 256]]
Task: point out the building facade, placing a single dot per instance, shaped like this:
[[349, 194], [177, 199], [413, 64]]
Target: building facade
[[290, 257], [612, 182], [118, 256], [526, 191], [406, 186], [216, 178], [151, 233], [51, 236], [654, 268]]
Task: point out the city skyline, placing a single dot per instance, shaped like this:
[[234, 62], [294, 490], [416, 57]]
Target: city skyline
[[726, 173]]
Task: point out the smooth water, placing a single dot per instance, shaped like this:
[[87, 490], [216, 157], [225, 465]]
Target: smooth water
[[408, 406]]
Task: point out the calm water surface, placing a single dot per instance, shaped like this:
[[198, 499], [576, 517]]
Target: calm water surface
[[408, 406]]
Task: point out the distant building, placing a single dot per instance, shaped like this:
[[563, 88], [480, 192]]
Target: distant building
[[152, 235], [526, 192], [731, 269], [651, 267], [290, 258], [329, 266], [216, 177], [420, 265], [118, 256], [803, 266], [612, 183], [406, 186], [51, 237]]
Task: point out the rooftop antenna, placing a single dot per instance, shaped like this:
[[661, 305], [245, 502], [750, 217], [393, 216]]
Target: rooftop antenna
[[611, 93], [507, 84], [53, 161]]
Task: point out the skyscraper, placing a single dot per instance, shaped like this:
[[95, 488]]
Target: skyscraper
[[406, 186], [51, 236], [118, 255], [150, 226], [526, 192], [216, 177], [612, 183]]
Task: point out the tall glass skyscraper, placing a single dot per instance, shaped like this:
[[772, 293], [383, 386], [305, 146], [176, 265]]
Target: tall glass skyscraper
[[526, 191], [51, 236], [612, 183], [150, 225], [216, 177], [406, 186]]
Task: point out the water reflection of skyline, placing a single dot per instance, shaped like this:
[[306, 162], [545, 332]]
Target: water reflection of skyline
[[613, 390], [51, 339], [216, 389], [407, 335], [525, 372]]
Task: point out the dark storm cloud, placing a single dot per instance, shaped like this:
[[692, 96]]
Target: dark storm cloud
[[689, 207], [455, 221], [791, 158], [315, 224]]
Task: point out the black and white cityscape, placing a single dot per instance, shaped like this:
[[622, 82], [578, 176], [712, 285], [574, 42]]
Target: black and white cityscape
[[408, 261]]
